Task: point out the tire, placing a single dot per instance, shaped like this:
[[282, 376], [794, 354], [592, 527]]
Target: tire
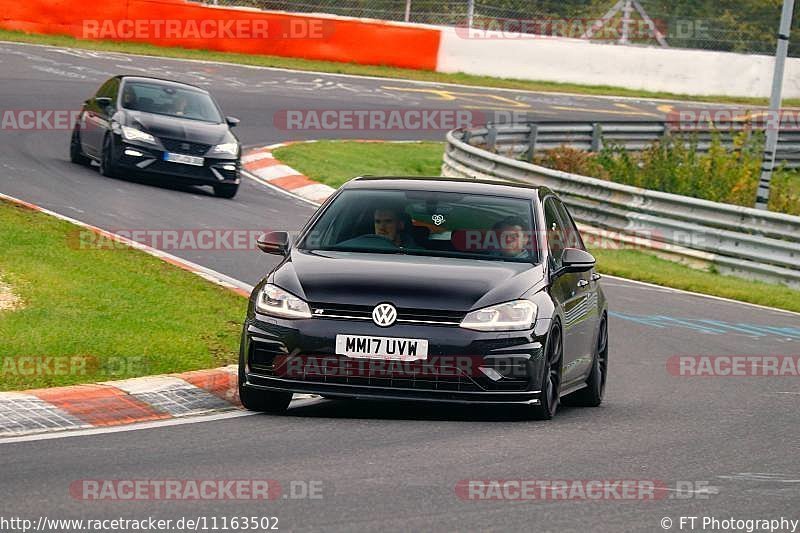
[[226, 190], [551, 378], [76, 154], [108, 166], [264, 401], [592, 395]]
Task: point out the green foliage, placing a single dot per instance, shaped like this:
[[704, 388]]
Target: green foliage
[[675, 165]]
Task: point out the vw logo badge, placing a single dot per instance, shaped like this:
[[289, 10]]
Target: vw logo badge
[[384, 315]]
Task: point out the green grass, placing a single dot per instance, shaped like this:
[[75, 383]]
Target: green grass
[[337, 161], [126, 312], [367, 70], [643, 266]]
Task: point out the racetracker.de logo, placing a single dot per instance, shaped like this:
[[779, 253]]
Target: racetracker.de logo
[[492, 28], [734, 366], [703, 119], [208, 28], [377, 119], [560, 489], [39, 119]]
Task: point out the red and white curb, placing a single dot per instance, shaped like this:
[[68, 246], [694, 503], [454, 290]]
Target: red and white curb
[[130, 401], [116, 403], [263, 165]]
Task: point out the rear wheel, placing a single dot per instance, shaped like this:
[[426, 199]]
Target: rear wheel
[[75, 151], [592, 395], [226, 190], [551, 378], [108, 163]]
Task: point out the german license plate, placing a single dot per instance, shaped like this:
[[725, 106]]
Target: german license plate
[[390, 348], [184, 159]]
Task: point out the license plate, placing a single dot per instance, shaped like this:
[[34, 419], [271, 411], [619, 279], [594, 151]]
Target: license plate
[[389, 348], [184, 159]]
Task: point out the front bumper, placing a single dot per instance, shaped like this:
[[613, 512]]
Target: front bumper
[[463, 366], [149, 161]]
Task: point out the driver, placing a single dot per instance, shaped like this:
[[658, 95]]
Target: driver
[[389, 224], [180, 105], [512, 237]]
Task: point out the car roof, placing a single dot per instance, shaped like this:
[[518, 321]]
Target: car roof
[[446, 184], [160, 81]]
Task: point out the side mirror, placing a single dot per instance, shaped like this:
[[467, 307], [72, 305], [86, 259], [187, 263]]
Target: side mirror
[[232, 121], [575, 260], [274, 242]]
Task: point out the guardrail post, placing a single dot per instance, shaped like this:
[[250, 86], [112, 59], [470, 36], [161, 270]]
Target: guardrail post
[[597, 137], [532, 142], [491, 138]]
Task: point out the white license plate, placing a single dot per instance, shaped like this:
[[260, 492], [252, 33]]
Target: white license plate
[[184, 159], [389, 348]]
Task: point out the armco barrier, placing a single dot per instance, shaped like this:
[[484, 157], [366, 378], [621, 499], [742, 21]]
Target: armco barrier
[[527, 139], [739, 240], [333, 38]]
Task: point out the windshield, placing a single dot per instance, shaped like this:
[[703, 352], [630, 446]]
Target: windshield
[[169, 100], [426, 223]]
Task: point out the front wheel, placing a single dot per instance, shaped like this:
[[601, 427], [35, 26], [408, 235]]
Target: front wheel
[[108, 163], [76, 154], [551, 378], [226, 190]]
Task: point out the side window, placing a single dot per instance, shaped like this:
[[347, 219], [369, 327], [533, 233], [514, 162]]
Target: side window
[[573, 237], [113, 90], [555, 232]]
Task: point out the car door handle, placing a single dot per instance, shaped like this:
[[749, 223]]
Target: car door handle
[[582, 283]]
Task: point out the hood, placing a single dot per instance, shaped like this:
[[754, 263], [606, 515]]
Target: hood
[[181, 129], [406, 281]]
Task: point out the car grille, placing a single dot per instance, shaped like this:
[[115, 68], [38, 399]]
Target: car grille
[[271, 359], [364, 312], [185, 147]]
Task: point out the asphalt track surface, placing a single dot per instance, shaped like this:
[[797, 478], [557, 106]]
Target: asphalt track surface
[[393, 465]]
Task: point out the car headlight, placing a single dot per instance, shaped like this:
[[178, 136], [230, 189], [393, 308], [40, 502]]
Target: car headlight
[[273, 300], [226, 148], [508, 316], [132, 134]]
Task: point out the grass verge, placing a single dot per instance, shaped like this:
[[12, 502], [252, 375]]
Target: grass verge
[[335, 161], [368, 70], [103, 314]]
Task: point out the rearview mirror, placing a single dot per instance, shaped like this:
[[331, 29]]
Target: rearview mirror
[[274, 242], [575, 260], [232, 121]]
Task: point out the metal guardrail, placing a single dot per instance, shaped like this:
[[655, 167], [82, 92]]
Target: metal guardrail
[[743, 241], [526, 140]]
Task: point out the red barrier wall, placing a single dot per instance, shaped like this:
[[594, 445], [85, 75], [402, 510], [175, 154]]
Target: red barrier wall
[[333, 39]]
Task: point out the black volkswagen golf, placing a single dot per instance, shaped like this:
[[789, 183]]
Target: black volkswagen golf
[[429, 289], [161, 128]]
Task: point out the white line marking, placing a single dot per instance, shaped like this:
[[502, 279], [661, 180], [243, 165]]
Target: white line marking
[[213, 276], [719, 298]]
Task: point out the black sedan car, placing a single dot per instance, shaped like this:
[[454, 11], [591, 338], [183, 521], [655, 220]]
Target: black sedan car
[[166, 129], [429, 289]]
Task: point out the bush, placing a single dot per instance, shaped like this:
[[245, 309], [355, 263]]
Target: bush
[[673, 164]]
